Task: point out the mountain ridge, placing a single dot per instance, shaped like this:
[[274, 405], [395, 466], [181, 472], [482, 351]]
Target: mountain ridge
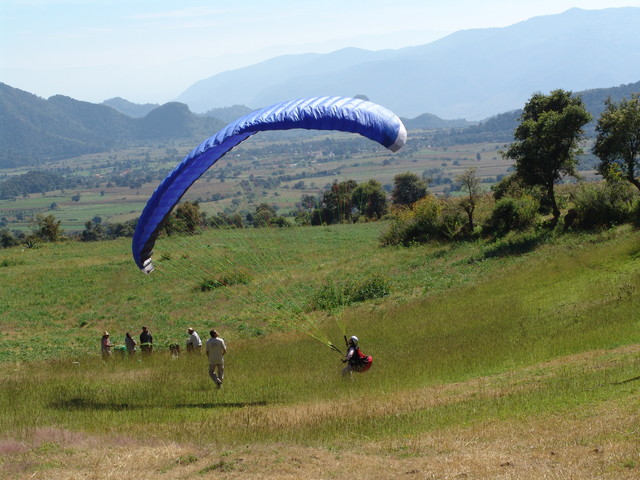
[[470, 74], [34, 130]]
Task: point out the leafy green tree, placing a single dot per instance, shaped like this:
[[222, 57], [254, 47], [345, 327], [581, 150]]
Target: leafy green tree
[[263, 215], [408, 188], [308, 202], [93, 231], [8, 239], [188, 216], [227, 220], [470, 184], [547, 141], [370, 199], [48, 228], [116, 230], [337, 202], [618, 141]]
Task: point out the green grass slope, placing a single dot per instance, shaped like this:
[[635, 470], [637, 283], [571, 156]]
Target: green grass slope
[[466, 339]]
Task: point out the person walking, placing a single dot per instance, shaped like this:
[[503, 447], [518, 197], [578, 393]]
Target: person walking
[[216, 350]]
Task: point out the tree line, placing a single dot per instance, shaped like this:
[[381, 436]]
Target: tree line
[[548, 140]]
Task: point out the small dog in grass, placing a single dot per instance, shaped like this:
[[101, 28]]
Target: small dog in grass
[[174, 349]]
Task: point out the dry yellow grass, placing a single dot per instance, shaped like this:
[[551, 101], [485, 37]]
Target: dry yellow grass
[[588, 443], [573, 447]]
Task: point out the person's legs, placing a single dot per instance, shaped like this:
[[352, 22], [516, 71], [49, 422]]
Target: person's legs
[[212, 374], [217, 378]]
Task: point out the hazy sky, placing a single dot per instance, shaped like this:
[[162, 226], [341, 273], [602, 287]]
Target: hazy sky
[[152, 50]]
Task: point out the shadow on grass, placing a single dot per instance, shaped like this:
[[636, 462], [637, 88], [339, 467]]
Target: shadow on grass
[[516, 245], [85, 404], [629, 380]]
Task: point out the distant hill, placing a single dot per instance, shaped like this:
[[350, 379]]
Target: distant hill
[[499, 128], [34, 130], [594, 99], [135, 110], [471, 74], [428, 121], [229, 114]]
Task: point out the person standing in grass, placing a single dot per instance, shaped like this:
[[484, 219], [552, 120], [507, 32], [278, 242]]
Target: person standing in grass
[[130, 343], [105, 346], [216, 349], [146, 341], [194, 344]]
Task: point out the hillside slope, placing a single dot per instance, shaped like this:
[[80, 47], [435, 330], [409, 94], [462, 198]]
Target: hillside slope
[[485, 366], [34, 130]]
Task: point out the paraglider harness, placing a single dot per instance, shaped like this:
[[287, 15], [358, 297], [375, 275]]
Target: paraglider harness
[[359, 362]]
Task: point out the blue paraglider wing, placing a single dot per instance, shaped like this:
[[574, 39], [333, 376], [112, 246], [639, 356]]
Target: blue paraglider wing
[[318, 113]]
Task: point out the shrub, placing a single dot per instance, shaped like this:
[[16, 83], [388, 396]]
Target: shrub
[[602, 205], [367, 289], [511, 214], [419, 223], [11, 262], [451, 222], [225, 280], [8, 239], [332, 295], [634, 214], [328, 297]]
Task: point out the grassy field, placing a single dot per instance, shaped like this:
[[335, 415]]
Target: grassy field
[[487, 363]]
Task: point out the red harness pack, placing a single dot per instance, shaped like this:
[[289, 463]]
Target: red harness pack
[[361, 362]]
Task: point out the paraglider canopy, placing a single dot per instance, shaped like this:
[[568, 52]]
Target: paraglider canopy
[[318, 113]]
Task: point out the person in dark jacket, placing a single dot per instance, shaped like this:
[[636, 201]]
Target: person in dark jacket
[[146, 341]]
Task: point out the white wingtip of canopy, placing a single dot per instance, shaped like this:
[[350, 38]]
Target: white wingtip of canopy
[[147, 266], [401, 139]]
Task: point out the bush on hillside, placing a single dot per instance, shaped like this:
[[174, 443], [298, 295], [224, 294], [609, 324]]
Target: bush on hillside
[[225, 280], [452, 222], [334, 295], [8, 239], [635, 213], [511, 214], [602, 205], [416, 224]]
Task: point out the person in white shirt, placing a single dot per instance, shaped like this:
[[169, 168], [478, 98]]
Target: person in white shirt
[[194, 344], [216, 349]]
